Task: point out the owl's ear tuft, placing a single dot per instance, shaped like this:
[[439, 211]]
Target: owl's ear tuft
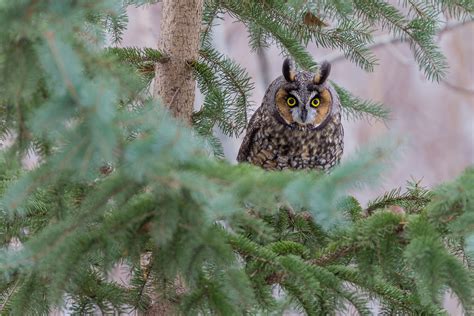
[[289, 71], [323, 73]]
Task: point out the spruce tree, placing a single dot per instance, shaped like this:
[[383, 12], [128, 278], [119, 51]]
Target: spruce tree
[[138, 181]]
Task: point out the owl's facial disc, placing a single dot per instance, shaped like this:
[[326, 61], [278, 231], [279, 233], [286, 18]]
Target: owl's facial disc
[[304, 108]]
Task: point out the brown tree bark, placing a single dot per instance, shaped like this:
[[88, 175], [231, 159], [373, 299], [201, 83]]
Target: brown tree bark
[[180, 30]]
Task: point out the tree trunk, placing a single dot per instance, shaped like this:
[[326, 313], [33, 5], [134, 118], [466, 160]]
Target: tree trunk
[[180, 30], [175, 86]]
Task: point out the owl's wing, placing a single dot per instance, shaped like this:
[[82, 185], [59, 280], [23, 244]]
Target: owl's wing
[[252, 128]]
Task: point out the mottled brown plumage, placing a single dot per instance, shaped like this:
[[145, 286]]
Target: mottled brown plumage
[[298, 125]]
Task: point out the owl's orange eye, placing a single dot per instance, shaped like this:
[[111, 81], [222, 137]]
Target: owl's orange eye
[[315, 102], [291, 102]]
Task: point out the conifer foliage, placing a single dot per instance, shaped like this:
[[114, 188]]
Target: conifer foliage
[[122, 184]]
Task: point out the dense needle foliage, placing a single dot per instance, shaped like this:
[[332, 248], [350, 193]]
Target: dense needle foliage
[[121, 184]]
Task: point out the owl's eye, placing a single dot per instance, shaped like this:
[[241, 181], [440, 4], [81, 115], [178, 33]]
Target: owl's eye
[[291, 101], [315, 102]]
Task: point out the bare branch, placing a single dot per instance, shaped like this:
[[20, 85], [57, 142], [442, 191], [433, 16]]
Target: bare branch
[[457, 88]]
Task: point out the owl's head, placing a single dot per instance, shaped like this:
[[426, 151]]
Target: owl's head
[[304, 99]]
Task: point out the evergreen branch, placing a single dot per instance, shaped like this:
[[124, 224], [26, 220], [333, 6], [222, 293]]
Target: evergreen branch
[[422, 10], [356, 108], [284, 247], [143, 59], [98, 292], [348, 36], [458, 9], [352, 39], [142, 285], [115, 22], [247, 247], [382, 289], [210, 13], [336, 10], [10, 291], [222, 64], [378, 226], [379, 11], [22, 131], [252, 13], [209, 85], [307, 272], [434, 267], [451, 207], [360, 303], [232, 78], [334, 255], [306, 301], [395, 196], [135, 55], [352, 208], [419, 33], [290, 19], [60, 63], [387, 39], [139, 3], [258, 39], [429, 57]]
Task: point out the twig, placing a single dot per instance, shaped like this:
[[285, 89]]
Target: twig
[[398, 199], [330, 257], [9, 295], [457, 88]]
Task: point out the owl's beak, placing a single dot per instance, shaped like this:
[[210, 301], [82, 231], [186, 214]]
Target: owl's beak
[[304, 115]]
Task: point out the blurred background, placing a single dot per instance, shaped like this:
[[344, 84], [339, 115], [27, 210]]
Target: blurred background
[[435, 121]]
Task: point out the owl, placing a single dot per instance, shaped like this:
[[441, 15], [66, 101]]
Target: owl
[[298, 125]]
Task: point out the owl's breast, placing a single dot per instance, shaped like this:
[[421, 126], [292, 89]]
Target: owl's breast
[[278, 147]]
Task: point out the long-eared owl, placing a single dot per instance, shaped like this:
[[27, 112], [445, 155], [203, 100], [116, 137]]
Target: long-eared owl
[[298, 125]]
